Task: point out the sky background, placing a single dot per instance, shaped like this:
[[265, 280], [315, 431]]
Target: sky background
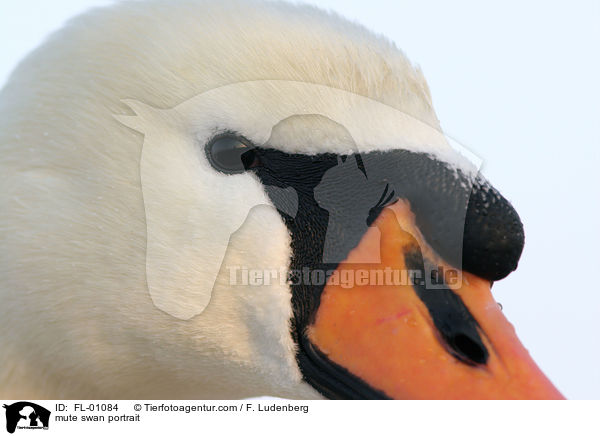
[[517, 83]]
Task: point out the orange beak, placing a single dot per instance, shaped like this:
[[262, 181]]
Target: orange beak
[[383, 332]]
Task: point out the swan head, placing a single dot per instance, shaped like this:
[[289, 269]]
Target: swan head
[[194, 189]]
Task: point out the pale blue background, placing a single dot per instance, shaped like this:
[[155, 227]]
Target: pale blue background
[[518, 83]]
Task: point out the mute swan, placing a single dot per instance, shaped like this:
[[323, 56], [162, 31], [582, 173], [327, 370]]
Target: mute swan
[[76, 308]]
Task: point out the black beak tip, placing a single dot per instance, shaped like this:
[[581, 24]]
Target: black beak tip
[[493, 238]]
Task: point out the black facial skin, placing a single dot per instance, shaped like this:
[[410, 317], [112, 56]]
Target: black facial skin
[[469, 224]]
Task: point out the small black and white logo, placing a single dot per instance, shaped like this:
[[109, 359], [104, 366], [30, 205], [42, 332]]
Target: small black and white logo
[[26, 415]]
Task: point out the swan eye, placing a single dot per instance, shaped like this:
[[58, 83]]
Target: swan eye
[[231, 154]]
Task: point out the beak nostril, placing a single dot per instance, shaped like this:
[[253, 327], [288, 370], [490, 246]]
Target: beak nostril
[[468, 348]]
